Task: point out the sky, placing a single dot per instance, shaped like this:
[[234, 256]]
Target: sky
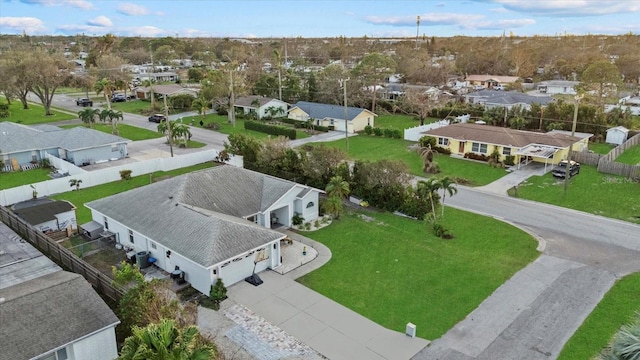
[[332, 18]]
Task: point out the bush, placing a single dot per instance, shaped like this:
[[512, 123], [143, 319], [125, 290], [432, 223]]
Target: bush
[[474, 156], [388, 133], [212, 126], [125, 174], [368, 130], [218, 291], [427, 141], [4, 111], [441, 232], [297, 219], [270, 129], [223, 156], [509, 160], [442, 150], [377, 131]]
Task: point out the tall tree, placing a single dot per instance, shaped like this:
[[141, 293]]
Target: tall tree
[[88, 115], [429, 189], [337, 187], [373, 69], [601, 74], [47, 73], [16, 79], [106, 87]]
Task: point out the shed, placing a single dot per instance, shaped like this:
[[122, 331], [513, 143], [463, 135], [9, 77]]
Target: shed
[[92, 230], [617, 135]]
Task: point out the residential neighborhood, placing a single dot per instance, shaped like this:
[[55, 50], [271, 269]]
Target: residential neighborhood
[[393, 197]]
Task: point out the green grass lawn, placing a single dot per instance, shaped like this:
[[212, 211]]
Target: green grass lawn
[[142, 107], [35, 114], [394, 271], [126, 131], [630, 156], [397, 121], [18, 178], [85, 195], [69, 90], [229, 129], [372, 148], [593, 192], [617, 307], [600, 148]]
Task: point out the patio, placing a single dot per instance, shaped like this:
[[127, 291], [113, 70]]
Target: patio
[[292, 255]]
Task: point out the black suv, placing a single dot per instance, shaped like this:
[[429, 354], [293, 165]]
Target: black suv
[[84, 102], [560, 171], [157, 118], [118, 98]]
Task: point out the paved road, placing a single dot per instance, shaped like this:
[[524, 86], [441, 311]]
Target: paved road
[[535, 312]]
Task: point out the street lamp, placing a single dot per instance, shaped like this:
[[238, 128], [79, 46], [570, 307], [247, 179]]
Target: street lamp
[[417, 31], [567, 170]]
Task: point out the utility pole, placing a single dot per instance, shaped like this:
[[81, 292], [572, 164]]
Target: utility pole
[[567, 170], [417, 31], [168, 124], [346, 122]]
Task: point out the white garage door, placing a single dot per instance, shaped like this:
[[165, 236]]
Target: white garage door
[[237, 270]]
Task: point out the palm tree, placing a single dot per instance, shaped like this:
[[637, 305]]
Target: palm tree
[[625, 344], [106, 87], [104, 115], [334, 206], [201, 105], [428, 165], [88, 115], [181, 131], [165, 341], [152, 96], [114, 117], [429, 188], [447, 185], [337, 187], [76, 183]]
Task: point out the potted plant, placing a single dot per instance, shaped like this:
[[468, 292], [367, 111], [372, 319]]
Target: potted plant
[[304, 250]]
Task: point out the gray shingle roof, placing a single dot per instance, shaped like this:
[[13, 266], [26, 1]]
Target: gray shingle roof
[[48, 312], [322, 111], [246, 101], [198, 214], [509, 97], [18, 138], [45, 212]]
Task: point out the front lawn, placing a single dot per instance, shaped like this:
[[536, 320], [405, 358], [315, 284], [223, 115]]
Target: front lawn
[[18, 178], [85, 195], [399, 121], [618, 306], [126, 131], [226, 128], [591, 191], [630, 156], [392, 270], [34, 114], [600, 148], [373, 148]]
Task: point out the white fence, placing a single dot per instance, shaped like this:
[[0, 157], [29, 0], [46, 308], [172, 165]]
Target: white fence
[[102, 176], [415, 133]]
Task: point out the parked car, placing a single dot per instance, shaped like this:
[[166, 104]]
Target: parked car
[[131, 97], [560, 171], [118, 98], [500, 87], [84, 102], [157, 118]]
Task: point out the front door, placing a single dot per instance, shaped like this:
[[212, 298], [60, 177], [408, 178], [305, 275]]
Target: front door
[[461, 147]]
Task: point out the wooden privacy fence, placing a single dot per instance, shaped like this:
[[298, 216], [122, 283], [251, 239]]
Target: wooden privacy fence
[[608, 165], [61, 255]]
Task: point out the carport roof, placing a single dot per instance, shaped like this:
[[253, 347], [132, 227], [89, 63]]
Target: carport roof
[[539, 151]]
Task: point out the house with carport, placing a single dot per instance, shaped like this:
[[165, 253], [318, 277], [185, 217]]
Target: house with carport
[[210, 224], [332, 116], [525, 146], [261, 106], [22, 145]]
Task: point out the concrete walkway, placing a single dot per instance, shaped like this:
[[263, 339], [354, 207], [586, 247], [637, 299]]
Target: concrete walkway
[[515, 177]]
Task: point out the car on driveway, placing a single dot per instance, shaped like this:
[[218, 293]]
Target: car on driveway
[[157, 118], [118, 98], [84, 102], [560, 171]]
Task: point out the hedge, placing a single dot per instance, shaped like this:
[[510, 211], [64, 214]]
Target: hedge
[[270, 129]]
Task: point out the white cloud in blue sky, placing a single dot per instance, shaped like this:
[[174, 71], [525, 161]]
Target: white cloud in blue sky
[[306, 18]]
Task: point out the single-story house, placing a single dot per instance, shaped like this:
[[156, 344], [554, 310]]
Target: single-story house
[[490, 81], [617, 135], [508, 99], [159, 76], [525, 146], [333, 115], [209, 224], [21, 145], [46, 214], [552, 87], [161, 90], [261, 106], [48, 313]]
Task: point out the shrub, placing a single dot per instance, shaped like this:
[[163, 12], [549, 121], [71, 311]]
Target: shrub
[[388, 133], [397, 134], [307, 226], [442, 150], [377, 131], [368, 130], [474, 156], [125, 174], [316, 223], [4, 111], [297, 219], [509, 160], [270, 129], [218, 291], [426, 141], [441, 232], [212, 126], [222, 156]]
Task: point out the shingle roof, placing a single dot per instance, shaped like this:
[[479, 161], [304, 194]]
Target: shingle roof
[[497, 97], [322, 111], [498, 78], [18, 138], [45, 212], [198, 214], [247, 101], [50, 311], [501, 136]]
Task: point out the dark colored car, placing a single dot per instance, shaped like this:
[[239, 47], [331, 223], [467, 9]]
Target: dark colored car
[[84, 102], [157, 118], [560, 171], [118, 98]]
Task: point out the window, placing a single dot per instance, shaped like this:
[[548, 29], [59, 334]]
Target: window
[[131, 236], [310, 204], [506, 151], [331, 122], [106, 223], [443, 141], [479, 148], [369, 121]]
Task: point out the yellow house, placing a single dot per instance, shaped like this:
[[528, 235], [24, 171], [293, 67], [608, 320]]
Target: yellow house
[[332, 116], [525, 146]]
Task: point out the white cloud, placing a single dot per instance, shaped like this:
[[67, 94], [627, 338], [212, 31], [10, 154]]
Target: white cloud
[[132, 9], [29, 25], [426, 19], [80, 4], [76, 29], [143, 31], [574, 8], [101, 20], [499, 24]]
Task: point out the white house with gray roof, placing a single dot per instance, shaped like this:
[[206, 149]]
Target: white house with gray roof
[[210, 224], [333, 116], [505, 99], [261, 106], [21, 144], [48, 313]]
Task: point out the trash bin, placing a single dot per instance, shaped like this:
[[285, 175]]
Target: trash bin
[[142, 258]]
